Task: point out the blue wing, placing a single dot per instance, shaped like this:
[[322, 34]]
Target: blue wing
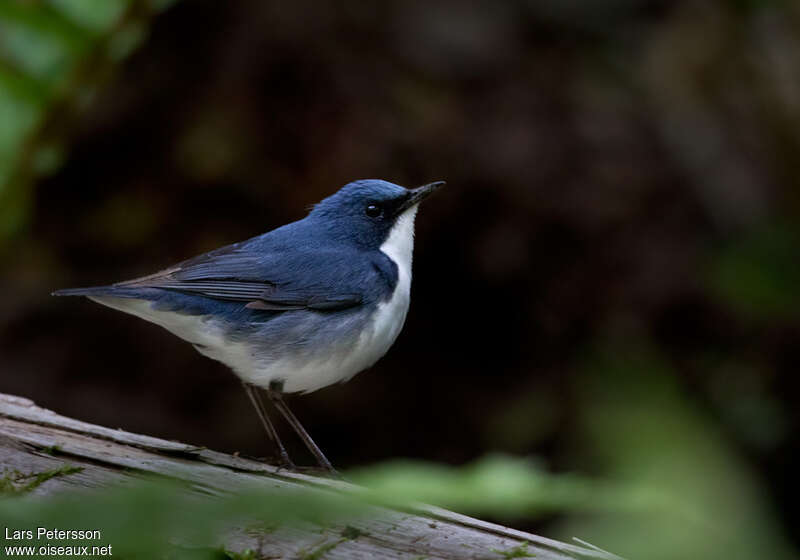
[[265, 273]]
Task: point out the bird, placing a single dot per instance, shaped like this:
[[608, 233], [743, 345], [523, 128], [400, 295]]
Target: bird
[[301, 307]]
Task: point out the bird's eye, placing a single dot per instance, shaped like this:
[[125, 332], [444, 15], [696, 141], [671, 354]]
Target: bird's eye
[[373, 210]]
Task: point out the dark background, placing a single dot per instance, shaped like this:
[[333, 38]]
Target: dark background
[[622, 182]]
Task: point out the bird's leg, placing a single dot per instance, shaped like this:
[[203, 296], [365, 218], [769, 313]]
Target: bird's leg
[[276, 396], [258, 404]]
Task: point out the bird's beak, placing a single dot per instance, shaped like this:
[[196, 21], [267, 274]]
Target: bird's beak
[[419, 194]]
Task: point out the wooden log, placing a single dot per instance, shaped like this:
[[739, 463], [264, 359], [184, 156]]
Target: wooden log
[[106, 456]]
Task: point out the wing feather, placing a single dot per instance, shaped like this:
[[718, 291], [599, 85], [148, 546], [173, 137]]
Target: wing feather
[[261, 281]]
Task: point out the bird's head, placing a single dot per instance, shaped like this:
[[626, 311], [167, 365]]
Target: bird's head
[[367, 211]]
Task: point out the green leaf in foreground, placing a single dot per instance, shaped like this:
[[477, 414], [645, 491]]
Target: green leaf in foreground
[[502, 486], [146, 519], [141, 520]]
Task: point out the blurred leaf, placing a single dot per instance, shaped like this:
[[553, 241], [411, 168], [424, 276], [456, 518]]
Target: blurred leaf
[[34, 33], [19, 112], [502, 486], [644, 430], [142, 520], [51, 54], [125, 41], [146, 519], [97, 15]]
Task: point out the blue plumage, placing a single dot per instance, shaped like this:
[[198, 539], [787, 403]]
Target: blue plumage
[[305, 305]]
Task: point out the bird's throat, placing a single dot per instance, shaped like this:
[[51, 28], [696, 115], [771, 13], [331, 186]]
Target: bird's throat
[[399, 245]]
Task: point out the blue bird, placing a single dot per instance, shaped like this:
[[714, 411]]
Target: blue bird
[[304, 306]]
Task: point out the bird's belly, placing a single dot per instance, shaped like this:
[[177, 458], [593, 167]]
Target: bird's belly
[[339, 359], [304, 350]]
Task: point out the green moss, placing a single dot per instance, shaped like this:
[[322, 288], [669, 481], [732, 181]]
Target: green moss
[[15, 482], [7, 482], [247, 554], [520, 551], [42, 477]]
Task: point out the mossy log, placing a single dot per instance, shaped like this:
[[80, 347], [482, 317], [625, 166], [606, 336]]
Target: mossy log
[[91, 456]]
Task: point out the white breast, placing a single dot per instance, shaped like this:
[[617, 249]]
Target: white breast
[[391, 315], [379, 336]]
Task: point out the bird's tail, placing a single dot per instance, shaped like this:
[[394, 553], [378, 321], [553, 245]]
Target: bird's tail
[[100, 291]]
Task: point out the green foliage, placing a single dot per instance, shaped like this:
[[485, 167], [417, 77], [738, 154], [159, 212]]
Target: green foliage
[[140, 521], [51, 55], [503, 487], [640, 428]]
